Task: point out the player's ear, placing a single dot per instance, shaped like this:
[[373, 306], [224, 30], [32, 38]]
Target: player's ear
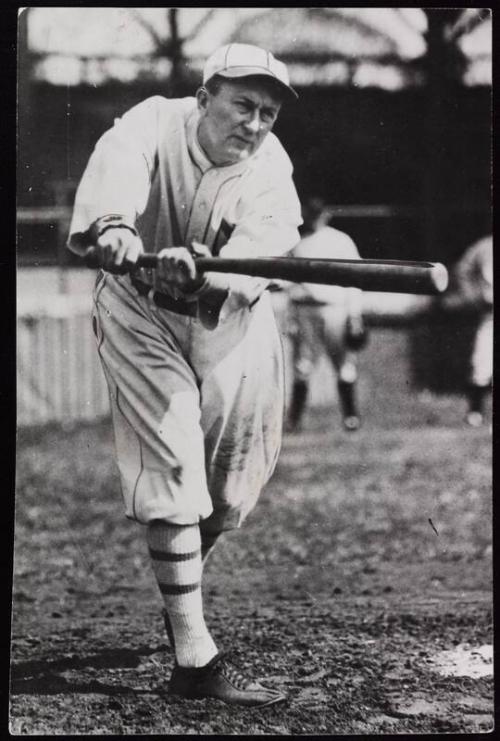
[[202, 96]]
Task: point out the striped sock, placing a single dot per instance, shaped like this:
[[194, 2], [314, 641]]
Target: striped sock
[[175, 552]]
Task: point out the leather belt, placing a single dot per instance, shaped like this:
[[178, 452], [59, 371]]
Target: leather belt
[[163, 301]]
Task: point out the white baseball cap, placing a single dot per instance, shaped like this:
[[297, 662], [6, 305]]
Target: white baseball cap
[[244, 60]]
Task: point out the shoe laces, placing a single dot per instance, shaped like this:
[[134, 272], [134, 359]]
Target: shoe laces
[[232, 674]]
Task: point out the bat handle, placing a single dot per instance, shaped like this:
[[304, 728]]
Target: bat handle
[[90, 258], [145, 260]]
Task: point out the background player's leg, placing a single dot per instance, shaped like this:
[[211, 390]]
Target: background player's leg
[[480, 373], [343, 362], [298, 401], [175, 552], [306, 346], [476, 398], [347, 392]]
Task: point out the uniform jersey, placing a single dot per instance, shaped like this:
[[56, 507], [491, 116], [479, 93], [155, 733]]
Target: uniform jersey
[[150, 169], [197, 411], [474, 274]]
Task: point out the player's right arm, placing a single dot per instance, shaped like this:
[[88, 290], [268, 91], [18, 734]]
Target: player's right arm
[[115, 187], [116, 248]]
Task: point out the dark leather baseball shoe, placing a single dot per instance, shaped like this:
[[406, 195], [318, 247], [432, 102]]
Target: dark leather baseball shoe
[[351, 423], [221, 680]]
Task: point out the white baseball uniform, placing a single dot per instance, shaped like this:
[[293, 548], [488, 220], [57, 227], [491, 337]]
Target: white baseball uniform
[[318, 313], [474, 274], [197, 411]]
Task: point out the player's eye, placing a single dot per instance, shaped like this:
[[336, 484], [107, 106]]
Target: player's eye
[[268, 116]]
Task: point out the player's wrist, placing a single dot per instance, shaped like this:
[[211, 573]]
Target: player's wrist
[[109, 221]]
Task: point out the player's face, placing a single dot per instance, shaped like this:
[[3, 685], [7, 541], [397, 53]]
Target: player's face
[[235, 121]]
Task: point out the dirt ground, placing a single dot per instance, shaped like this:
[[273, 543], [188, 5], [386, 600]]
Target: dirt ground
[[368, 558]]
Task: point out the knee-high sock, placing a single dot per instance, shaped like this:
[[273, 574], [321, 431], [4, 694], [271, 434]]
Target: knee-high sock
[[476, 396], [298, 401], [175, 552], [347, 397]]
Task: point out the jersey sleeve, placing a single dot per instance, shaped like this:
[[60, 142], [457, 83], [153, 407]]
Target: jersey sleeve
[[118, 175]]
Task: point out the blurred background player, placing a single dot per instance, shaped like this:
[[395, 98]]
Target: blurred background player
[[473, 294], [324, 319]]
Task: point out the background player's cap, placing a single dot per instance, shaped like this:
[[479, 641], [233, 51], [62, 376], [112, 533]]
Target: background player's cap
[[245, 60]]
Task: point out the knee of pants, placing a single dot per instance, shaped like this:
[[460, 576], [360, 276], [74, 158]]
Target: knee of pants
[[156, 495], [302, 369], [480, 377], [348, 372], [481, 369]]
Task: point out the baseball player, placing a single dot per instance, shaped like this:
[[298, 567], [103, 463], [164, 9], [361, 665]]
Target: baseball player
[[473, 292], [193, 362], [324, 319]]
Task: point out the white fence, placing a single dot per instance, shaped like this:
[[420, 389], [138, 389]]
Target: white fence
[[59, 378]]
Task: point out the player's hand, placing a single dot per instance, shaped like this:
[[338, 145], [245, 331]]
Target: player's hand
[[117, 250], [213, 290], [176, 268]]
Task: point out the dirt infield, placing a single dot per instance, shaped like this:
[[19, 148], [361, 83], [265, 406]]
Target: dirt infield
[[362, 584]]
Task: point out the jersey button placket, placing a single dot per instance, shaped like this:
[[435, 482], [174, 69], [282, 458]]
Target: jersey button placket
[[197, 226]]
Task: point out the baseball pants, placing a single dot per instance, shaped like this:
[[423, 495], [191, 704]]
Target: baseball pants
[[319, 329], [481, 363], [197, 413]]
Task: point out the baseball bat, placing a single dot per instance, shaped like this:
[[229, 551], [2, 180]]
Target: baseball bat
[[395, 276]]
